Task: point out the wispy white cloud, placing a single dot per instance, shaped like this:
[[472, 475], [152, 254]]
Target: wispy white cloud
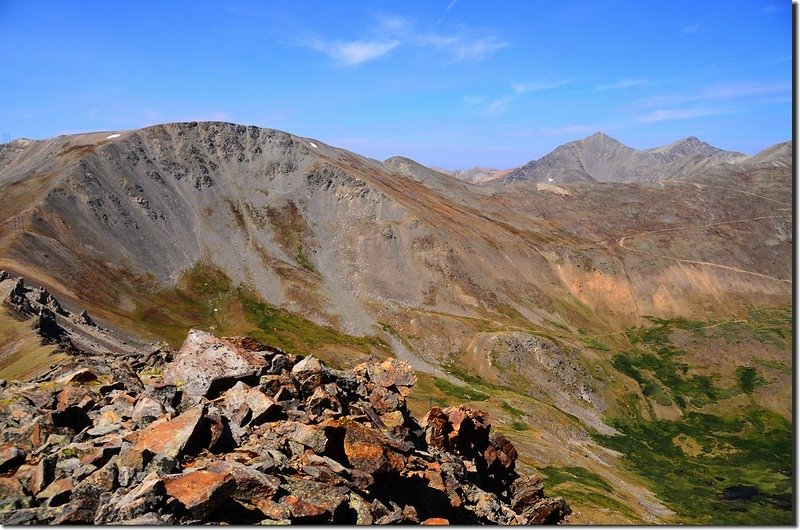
[[678, 114], [500, 104], [392, 32], [524, 88], [771, 8], [474, 100], [451, 5], [477, 50], [746, 90], [692, 28], [463, 47], [716, 93], [352, 53], [622, 83]]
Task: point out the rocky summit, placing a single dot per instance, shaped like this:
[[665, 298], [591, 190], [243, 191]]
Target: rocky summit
[[231, 430]]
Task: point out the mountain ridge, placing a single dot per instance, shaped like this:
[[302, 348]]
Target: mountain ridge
[[480, 287], [602, 158]]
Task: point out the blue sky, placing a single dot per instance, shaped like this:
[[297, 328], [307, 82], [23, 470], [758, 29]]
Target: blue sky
[[452, 83]]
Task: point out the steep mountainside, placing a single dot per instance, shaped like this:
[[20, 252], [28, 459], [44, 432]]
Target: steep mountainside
[[602, 158], [528, 298]]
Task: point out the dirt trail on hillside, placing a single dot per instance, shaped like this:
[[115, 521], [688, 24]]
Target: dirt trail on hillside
[[621, 243]]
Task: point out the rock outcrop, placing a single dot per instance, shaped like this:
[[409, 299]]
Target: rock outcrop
[[72, 333], [242, 433]]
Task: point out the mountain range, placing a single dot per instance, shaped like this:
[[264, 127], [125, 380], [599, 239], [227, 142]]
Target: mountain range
[[601, 158], [535, 290]]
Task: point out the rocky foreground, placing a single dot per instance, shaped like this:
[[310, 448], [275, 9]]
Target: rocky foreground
[[235, 431]]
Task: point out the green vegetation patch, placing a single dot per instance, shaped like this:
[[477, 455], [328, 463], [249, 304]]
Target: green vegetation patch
[[596, 344], [748, 379], [754, 450], [463, 393], [302, 260], [731, 467], [771, 325], [665, 378], [578, 475], [577, 484], [206, 298], [659, 334], [511, 409], [290, 331]]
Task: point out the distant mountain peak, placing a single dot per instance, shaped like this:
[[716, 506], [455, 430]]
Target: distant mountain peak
[[599, 135], [606, 159]]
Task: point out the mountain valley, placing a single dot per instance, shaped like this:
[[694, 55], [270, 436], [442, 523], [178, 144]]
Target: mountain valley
[[623, 316]]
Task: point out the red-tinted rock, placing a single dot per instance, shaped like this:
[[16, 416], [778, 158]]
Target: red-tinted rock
[[169, 439], [548, 511], [366, 449], [43, 474], [435, 521], [72, 396], [201, 491], [57, 493], [525, 491], [392, 372], [250, 485], [304, 512], [326, 497]]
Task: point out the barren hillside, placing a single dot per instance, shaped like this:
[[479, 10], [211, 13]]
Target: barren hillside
[[525, 293]]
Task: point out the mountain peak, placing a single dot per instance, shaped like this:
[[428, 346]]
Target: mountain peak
[[600, 136], [686, 147]]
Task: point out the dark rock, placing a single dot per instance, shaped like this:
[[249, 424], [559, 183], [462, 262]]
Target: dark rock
[[250, 486], [11, 458], [147, 497], [57, 493], [84, 318], [280, 362], [125, 374], [525, 491], [548, 511], [320, 498], [12, 495], [264, 436], [81, 375]]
